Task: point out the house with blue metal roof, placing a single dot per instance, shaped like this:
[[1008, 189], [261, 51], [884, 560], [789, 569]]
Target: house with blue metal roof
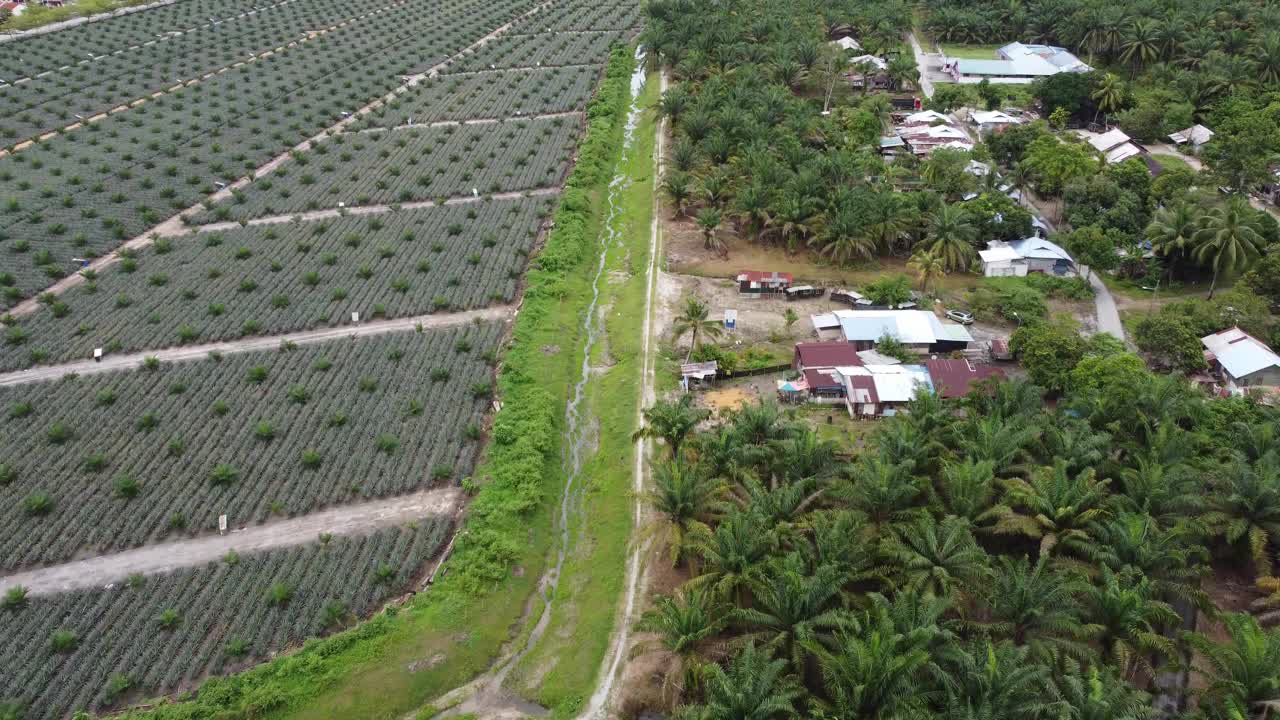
[[1015, 63]]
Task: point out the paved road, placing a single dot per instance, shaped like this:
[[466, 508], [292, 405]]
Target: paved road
[[199, 352], [926, 85], [1108, 315], [164, 557]]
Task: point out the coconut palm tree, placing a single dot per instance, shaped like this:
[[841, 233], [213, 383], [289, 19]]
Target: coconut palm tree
[[1109, 95], [928, 267], [950, 236], [684, 501], [936, 558], [753, 687], [1141, 45], [1173, 230], [1230, 238], [686, 624], [695, 321]]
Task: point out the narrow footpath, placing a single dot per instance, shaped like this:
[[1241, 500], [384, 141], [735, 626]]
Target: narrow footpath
[[168, 556], [268, 342]]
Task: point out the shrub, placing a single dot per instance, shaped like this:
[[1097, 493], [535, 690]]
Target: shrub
[[127, 487], [169, 619], [37, 503], [63, 641], [311, 459], [15, 598], [223, 474], [8, 474], [264, 430], [279, 595], [19, 410], [257, 374], [58, 433], [236, 647], [387, 443]]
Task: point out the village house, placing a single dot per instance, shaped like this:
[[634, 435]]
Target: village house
[[1019, 257], [1242, 362], [1195, 136], [956, 378], [873, 391], [824, 356], [920, 330], [1015, 63], [1115, 146], [755, 282]]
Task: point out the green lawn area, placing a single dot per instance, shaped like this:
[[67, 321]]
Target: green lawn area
[[971, 52], [1131, 290], [1172, 162]]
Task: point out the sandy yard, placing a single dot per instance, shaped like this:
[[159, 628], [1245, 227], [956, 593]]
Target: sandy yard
[[760, 317]]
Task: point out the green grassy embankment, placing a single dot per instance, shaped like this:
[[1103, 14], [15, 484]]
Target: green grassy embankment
[[402, 659], [562, 669]]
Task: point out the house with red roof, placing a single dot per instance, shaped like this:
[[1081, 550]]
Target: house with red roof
[[763, 281], [956, 378], [824, 355]]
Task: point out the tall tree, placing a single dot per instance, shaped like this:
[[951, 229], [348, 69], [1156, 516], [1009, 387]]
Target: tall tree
[[951, 236], [695, 320], [1230, 238]]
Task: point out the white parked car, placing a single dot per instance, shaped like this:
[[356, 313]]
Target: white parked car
[[964, 317]]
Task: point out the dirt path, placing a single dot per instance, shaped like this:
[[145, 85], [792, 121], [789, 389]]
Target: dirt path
[[922, 64], [268, 342], [164, 557], [1108, 315], [473, 121]]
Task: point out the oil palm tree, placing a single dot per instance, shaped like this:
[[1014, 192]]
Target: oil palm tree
[[1034, 604], [1240, 673], [966, 489], [754, 686], [928, 267], [1053, 507], [677, 186], [886, 493], [888, 220], [671, 422], [686, 625], [1093, 693], [1229, 239], [1170, 558], [794, 221], [794, 608], [1246, 506], [709, 219], [1266, 58], [694, 320], [875, 669], [842, 237], [751, 207], [1172, 231], [950, 236], [684, 501], [732, 554], [997, 680], [936, 558], [1127, 616]]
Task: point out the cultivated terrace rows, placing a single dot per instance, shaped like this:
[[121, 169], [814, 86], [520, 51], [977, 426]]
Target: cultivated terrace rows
[[96, 464], [162, 633]]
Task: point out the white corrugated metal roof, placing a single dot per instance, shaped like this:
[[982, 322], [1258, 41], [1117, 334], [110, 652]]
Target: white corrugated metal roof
[[1122, 153], [1036, 248], [1240, 353], [993, 117], [847, 43], [1108, 139], [1004, 253]]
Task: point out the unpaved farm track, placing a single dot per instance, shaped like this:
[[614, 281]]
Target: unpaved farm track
[[268, 342], [164, 557]]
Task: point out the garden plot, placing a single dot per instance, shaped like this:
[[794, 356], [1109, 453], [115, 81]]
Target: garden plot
[[491, 94], [399, 166], [85, 192], [286, 278], [86, 89], [109, 461], [144, 636], [582, 15], [540, 50]]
